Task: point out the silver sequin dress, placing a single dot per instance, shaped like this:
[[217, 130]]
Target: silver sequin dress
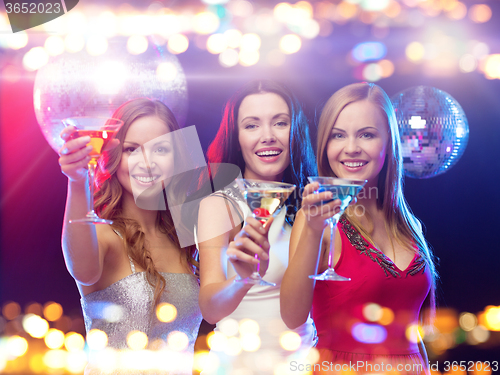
[[127, 305]]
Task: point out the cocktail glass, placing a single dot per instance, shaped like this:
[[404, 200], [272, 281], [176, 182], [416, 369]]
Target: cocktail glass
[[345, 190], [101, 131], [265, 199]]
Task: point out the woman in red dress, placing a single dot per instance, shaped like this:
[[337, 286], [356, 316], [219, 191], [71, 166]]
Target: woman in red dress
[[371, 323]]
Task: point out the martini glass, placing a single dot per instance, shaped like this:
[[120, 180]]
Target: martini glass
[[345, 190], [265, 199], [101, 130]]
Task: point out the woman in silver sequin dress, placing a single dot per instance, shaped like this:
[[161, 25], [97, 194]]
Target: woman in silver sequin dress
[[127, 270], [265, 134]]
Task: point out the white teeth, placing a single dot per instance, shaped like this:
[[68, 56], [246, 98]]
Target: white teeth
[[354, 164], [268, 153], [145, 179]]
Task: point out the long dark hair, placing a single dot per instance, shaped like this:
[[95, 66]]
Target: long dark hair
[[108, 196], [225, 148]]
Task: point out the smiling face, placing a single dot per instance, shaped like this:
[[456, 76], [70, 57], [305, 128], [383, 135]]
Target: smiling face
[[358, 142], [264, 136], [147, 161]]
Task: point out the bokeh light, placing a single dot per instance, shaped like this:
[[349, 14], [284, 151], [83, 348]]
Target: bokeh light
[[250, 42], [248, 326], [205, 361], [76, 362], [74, 42], [54, 339], [492, 67], [248, 58], [11, 310], [35, 58], [229, 58], [290, 43], [52, 311], [369, 333], [372, 72], [387, 316], [178, 43], [366, 51], [217, 341], [467, 63], [97, 339], [233, 37], [55, 359], [414, 333], [229, 327], [54, 45], [216, 43], [18, 40], [458, 11], [467, 321], [492, 318], [415, 51], [137, 44], [290, 341], [167, 312], [250, 342], [205, 23], [177, 341], [372, 312], [35, 326], [233, 346], [480, 13], [17, 346], [478, 335], [74, 342], [137, 340]]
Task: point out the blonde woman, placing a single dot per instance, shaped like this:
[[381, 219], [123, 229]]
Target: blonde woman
[[378, 244]]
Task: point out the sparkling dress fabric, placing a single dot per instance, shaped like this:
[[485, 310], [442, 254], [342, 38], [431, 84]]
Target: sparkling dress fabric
[[127, 305], [345, 335], [262, 305]]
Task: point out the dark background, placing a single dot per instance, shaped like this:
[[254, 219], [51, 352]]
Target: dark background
[[459, 208]]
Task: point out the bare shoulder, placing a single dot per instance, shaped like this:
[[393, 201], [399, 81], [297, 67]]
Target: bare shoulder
[[106, 236], [218, 215], [219, 203]]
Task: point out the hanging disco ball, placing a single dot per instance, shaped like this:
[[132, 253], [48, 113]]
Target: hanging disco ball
[[82, 85], [433, 130]]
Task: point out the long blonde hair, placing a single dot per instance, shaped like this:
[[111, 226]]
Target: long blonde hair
[[108, 196], [399, 219]]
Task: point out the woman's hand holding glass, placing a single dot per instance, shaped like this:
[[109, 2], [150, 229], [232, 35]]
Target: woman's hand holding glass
[[74, 155], [317, 213], [251, 241]]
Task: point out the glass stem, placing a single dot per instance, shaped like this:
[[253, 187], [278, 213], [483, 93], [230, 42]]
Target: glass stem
[[332, 223], [257, 266], [91, 166]]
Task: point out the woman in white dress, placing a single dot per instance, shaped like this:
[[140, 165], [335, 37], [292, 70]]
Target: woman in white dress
[[264, 132]]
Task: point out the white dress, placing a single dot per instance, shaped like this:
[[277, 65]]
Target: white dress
[[262, 305]]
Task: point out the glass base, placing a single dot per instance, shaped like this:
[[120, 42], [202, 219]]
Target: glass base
[[91, 218], [255, 279], [330, 275]]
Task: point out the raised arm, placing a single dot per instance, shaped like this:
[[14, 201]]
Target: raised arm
[[82, 251], [305, 256], [220, 296]]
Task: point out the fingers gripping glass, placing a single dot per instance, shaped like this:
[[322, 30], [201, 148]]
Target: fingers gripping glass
[[345, 190], [265, 199], [101, 131]]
